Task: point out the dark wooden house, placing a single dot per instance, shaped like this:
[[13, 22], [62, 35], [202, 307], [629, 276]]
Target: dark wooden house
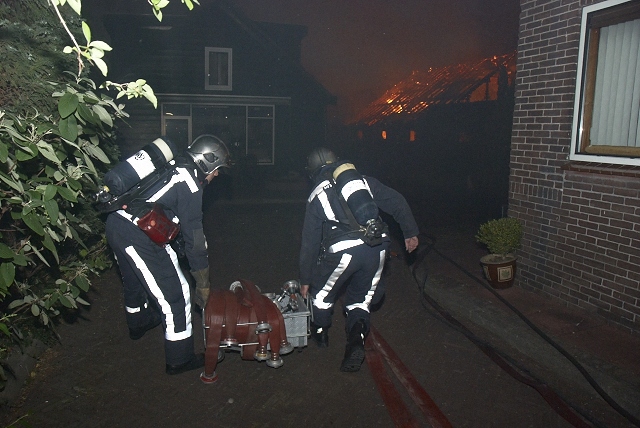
[[214, 71]]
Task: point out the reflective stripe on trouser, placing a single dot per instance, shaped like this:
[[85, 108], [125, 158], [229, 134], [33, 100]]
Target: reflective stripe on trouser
[[152, 272], [363, 265]]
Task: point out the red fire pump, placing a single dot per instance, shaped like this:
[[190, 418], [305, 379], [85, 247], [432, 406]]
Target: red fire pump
[[260, 326]]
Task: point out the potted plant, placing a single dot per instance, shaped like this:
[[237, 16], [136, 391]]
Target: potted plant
[[502, 238]]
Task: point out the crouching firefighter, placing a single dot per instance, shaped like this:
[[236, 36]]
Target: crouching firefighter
[[343, 238], [151, 197]]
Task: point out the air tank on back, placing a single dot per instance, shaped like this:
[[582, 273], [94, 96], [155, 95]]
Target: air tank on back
[[130, 171], [352, 187]]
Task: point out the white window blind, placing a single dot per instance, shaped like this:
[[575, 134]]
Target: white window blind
[[616, 107]]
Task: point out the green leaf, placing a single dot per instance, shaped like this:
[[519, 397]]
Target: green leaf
[[52, 209], [4, 152], [75, 291], [82, 301], [7, 275], [68, 128], [16, 185], [35, 310], [97, 153], [49, 245], [33, 221], [86, 31], [47, 151], [82, 282], [53, 234], [88, 115], [91, 98], [76, 5], [49, 192], [15, 303], [4, 329], [102, 66], [40, 256], [55, 296], [147, 91], [73, 184], [102, 113], [67, 194], [100, 45], [15, 134], [5, 251], [76, 237], [89, 164], [20, 260], [67, 301], [95, 53], [25, 154], [67, 105]]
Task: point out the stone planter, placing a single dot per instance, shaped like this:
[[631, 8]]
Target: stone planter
[[499, 270]]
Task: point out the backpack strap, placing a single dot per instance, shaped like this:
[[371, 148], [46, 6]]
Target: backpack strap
[[353, 223]]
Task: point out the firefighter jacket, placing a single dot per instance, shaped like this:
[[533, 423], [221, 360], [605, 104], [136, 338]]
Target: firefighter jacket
[[181, 199]]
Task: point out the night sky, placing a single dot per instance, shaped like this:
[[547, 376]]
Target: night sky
[[359, 48]]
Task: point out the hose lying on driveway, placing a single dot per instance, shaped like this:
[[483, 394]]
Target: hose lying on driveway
[[560, 405]]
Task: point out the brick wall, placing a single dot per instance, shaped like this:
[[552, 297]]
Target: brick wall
[[581, 221]]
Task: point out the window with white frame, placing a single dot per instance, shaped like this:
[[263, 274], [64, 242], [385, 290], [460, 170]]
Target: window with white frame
[[606, 126], [218, 69], [246, 129]]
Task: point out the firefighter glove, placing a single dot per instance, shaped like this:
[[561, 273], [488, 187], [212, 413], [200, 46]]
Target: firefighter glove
[[202, 286]]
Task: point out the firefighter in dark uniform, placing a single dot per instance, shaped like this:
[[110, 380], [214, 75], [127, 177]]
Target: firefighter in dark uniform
[[335, 249], [155, 288]]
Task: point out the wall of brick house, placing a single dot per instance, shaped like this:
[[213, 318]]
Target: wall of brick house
[[581, 221]]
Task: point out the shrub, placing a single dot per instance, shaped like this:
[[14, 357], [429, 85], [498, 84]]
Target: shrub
[[501, 236]]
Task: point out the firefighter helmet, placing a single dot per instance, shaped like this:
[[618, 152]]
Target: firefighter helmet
[[209, 153], [319, 157]]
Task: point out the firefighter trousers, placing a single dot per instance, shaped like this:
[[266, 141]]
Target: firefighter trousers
[[360, 268], [152, 279]]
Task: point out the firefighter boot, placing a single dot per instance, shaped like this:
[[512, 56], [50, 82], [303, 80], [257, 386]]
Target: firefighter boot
[[196, 362], [354, 352], [320, 335], [154, 320]]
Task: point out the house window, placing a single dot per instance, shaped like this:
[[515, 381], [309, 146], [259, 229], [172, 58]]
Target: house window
[[218, 69], [260, 133], [247, 130], [606, 124]]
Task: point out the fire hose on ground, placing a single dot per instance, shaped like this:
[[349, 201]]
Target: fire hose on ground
[[572, 413]]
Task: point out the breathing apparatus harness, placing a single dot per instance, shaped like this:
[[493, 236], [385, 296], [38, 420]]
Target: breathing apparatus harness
[[151, 218], [134, 199], [363, 220], [128, 184]]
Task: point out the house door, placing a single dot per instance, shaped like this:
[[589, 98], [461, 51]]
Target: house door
[[177, 130]]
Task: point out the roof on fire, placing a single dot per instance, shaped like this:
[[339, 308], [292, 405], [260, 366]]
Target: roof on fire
[[466, 82]]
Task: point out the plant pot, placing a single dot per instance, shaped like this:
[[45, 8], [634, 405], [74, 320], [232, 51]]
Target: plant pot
[[499, 270]]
